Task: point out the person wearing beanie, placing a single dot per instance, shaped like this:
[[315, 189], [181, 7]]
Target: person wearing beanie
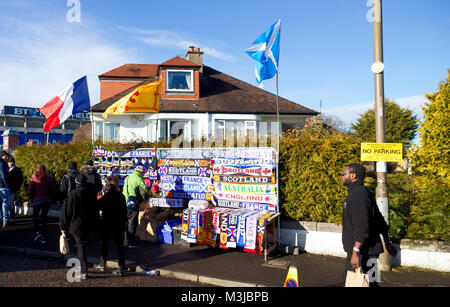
[[79, 217], [94, 180], [68, 182], [135, 192]]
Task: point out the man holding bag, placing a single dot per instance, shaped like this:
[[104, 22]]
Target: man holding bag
[[362, 223], [135, 192]]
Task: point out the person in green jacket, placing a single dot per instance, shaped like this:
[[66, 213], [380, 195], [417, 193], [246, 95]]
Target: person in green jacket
[[135, 192]]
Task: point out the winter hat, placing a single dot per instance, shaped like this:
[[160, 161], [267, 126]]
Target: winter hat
[[81, 179], [73, 166], [139, 168]]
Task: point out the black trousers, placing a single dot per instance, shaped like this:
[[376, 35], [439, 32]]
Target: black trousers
[[81, 245], [41, 225], [118, 238], [133, 215], [367, 263]]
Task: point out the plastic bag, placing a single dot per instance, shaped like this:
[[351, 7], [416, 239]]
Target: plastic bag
[[63, 245]]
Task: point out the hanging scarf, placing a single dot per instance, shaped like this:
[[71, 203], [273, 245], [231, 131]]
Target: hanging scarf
[[223, 230], [250, 233], [260, 232], [192, 233], [185, 224]]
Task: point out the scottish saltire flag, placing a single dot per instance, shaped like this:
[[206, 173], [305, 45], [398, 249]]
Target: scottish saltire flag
[[75, 98], [266, 50]]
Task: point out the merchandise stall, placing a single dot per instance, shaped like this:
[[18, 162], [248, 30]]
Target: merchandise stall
[[224, 197]]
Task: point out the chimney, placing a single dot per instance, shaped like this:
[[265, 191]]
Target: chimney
[[196, 56]]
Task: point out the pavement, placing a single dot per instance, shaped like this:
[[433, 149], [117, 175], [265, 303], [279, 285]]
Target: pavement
[[214, 266]]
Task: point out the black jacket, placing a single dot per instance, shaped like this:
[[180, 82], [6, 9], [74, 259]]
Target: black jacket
[[93, 178], [15, 179], [114, 212], [67, 184], [362, 221], [79, 214], [4, 175]]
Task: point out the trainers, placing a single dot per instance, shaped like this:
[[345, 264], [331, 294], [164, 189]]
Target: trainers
[[99, 267], [84, 276], [37, 237], [118, 272]]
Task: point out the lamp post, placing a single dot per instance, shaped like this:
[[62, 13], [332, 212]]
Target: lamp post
[[384, 261]]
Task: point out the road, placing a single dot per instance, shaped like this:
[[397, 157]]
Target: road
[[28, 271]]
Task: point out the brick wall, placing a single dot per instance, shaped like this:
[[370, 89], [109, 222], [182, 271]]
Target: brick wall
[[110, 88]]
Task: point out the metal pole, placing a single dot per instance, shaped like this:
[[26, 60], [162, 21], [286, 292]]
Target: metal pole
[[384, 261]]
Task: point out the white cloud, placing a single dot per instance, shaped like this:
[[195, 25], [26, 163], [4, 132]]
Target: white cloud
[[39, 59], [349, 113], [163, 38]]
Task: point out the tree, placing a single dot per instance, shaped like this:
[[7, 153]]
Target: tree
[[431, 207], [400, 124]]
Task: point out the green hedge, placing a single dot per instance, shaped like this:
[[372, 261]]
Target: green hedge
[[311, 162]]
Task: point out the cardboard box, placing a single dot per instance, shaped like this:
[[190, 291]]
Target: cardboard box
[[145, 230]]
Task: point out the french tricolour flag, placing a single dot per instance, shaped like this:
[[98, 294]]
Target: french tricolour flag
[[77, 97]]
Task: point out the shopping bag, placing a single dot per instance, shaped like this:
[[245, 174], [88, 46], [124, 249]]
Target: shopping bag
[[63, 245], [356, 279]]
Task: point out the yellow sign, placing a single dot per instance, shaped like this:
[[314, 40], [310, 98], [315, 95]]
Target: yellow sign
[[386, 152]]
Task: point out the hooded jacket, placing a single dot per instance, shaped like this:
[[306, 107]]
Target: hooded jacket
[[362, 221], [67, 184], [41, 188], [79, 214]]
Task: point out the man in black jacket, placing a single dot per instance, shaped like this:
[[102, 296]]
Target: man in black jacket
[[68, 182], [362, 222], [15, 180], [79, 217], [113, 224]]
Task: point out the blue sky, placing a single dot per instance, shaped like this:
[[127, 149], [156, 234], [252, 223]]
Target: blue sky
[[326, 46]]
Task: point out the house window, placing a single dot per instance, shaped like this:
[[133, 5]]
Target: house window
[[98, 130], [151, 131], [111, 132], [250, 128], [180, 80], [219, 129]]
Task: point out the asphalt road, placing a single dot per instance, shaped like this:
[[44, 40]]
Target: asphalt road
[[28, 271]]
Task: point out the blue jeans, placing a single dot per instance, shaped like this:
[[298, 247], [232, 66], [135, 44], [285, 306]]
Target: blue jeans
[[4, 195]]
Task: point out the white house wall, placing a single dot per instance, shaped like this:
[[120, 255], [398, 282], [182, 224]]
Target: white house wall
[[134, 126]]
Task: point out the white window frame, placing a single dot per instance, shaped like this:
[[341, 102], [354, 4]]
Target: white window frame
[[104, 132], [191, 85]]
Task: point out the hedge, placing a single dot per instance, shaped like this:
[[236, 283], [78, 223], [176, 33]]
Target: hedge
[[311, 161]]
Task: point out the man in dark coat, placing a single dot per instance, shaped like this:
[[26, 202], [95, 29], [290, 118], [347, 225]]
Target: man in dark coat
[[94, 180], [16, 181], [68, 182], [113, 224], [362, 222], [79, 217]]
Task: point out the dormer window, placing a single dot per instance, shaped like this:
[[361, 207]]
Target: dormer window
[[180, 81]]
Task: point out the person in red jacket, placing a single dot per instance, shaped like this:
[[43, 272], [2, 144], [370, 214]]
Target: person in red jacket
[[41, 191]]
